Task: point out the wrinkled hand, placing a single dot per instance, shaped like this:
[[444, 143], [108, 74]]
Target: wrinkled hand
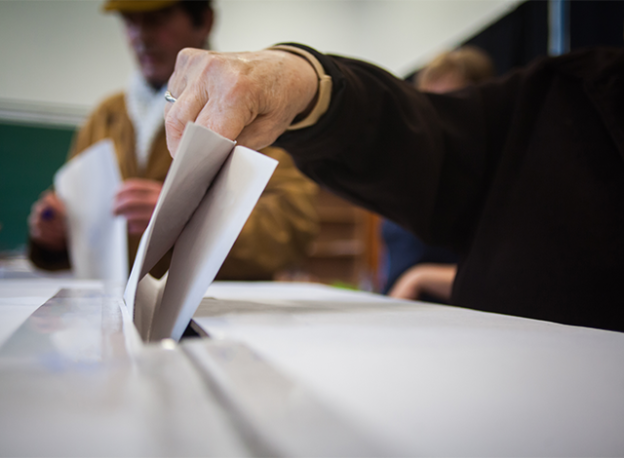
[[47, 222], [136, 200], [248, 97], [433, 279]]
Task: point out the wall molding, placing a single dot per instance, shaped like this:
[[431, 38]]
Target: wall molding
[[41, 113]]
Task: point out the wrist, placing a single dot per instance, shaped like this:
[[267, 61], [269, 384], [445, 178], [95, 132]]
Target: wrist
[[319, 103]]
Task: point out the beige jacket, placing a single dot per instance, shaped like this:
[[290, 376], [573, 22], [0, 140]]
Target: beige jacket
[[276, 235]]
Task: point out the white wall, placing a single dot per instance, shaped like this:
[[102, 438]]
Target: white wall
[[396, 34], [62, 56]]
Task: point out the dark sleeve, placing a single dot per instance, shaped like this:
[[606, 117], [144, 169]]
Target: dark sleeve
[[46, 259], [422, 160]]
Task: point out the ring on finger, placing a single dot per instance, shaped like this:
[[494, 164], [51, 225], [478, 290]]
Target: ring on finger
[[169, 97]]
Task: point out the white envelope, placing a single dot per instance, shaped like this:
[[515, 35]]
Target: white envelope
[[97, 239], [210, 191]]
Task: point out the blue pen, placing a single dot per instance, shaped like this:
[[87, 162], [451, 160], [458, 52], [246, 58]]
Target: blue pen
[[47, 214]]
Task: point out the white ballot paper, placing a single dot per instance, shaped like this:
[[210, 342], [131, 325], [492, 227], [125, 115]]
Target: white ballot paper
[[97, 239], [210, 191]]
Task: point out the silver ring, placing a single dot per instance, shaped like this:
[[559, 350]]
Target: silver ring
[[169, 97]]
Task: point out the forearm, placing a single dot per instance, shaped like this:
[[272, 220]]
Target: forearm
[[431, 279], [381, 139], [420, 160], [437, 281]]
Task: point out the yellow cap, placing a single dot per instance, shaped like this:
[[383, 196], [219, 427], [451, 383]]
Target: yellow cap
[[134, 6]]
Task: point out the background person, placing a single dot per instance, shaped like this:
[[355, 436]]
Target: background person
[[284, 220], [415, 270]]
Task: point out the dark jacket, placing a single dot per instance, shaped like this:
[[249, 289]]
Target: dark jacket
[[523, 176]]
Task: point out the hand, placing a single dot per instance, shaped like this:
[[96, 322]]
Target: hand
[[47, 222], [136, 200], [248, 97], [433, 279]]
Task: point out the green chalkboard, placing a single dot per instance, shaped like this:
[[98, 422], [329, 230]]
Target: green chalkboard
[[29, 156]]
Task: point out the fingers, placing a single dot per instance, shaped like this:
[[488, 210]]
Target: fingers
[[137, 212], [247, 97], [48, 208], [227, 121], [189, 102], [136, 196], [46, 222], [137, 227], [134, 208], [50, 200], [206, 85], [137, 221], [136, 200], [140, 185], [179, 114], [38, 225]]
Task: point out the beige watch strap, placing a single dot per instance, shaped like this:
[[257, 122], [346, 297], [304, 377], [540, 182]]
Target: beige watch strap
[[324, 89]]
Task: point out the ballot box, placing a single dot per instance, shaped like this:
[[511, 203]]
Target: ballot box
[[290, 369], [90, 368]]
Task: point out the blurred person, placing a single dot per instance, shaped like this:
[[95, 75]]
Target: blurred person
[[415, 270], [453, 70], [284, 220]]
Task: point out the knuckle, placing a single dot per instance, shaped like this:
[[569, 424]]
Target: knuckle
[[184, 55]]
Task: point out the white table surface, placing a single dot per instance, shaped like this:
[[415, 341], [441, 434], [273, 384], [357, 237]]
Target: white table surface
[[429, 380], [76, 381], [417, 379], [19, 298]]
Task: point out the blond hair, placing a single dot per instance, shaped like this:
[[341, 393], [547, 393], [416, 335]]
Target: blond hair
[[468, 62]]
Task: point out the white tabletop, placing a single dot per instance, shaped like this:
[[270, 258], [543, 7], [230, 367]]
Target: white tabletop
[[434, 380], [75, 380], [301, 365]]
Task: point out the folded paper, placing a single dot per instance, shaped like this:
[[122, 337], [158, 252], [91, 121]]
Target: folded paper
[[97, 239], [210, 191]]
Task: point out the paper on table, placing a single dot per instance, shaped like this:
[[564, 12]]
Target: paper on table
[[209, 193], [98, 244]]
